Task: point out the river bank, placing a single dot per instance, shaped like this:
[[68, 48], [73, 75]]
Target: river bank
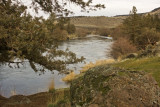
[[131, 81], [56, 98]]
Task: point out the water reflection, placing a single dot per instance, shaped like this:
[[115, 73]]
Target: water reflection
[[25, 81]]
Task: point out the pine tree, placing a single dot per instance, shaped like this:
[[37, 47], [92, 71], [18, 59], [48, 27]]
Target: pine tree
[[132, 25]]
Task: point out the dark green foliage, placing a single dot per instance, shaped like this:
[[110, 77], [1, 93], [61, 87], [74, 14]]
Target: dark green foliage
[[142, 30], [148, 36], [23, 37], [132, 25], [60, 7], [70, 28]]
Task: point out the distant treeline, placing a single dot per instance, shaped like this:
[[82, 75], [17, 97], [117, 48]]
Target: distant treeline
[[137, 33]]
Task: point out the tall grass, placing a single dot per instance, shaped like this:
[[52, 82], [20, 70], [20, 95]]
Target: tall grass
[[51, 86], [97, 63], [13, 92], [60, 98], [69, 77], [72, 36]]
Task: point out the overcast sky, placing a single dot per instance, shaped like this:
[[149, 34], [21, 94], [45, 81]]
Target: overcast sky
[[114, 7], [119, 7]]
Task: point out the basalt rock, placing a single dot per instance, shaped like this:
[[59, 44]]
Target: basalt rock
[[157, 49], [105, 86]]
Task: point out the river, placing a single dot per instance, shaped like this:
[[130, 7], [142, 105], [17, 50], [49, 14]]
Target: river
[[25, 81]]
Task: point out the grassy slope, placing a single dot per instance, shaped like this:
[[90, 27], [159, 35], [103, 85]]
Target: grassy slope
[[96, 22], [102, 21], [150, 65]]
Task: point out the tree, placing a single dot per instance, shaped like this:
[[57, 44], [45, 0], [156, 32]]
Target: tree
[[23, 37], [157, 23], [142, 30], [147, 37], [132, 25], [70, 28]]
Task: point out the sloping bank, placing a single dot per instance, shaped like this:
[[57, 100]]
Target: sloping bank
[[113, 86], [130, 83]]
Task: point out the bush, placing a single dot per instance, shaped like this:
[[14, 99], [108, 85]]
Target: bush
[[122, 47], [118, 32], [82, 32], [148, 37], [103, 31], [59, 34], [70, 28]]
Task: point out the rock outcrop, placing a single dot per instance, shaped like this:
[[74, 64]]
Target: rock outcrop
[[105, 86], [157, 49]]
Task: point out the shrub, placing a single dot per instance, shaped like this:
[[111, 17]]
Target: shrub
[[72, 36], [59, 34], [103, 31], [51, 105], [70, 28], [82, 32], [148, 36], [121, 47], [118, 32]]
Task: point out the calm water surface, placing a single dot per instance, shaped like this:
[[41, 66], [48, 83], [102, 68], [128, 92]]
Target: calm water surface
[[25, 81]]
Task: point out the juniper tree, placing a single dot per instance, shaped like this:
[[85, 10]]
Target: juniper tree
[[24, 37], [132, 25], [142, 30]]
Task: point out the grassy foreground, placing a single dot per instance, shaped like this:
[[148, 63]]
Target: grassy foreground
[[148, 64], [61, 97], [53, 98]]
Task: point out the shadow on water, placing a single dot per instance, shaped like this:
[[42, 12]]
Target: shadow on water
[[25, 81]]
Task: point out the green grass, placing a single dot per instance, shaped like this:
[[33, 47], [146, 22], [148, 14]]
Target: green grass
[[150, 65], [60, 98]]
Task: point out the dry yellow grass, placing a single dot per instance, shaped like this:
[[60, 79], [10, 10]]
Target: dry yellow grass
[[69, 77], [52, 85], [72, 36], [13, 92], [96, 22], [97, 63]]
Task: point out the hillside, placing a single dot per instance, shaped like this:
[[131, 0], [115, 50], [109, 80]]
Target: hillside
[[155, 11], [102, 21], [96, 22]]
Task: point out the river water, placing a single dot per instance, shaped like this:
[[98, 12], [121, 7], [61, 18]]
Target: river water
[[25, 81]]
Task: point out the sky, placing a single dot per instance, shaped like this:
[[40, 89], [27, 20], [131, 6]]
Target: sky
[[120, 7], [113, 7]]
